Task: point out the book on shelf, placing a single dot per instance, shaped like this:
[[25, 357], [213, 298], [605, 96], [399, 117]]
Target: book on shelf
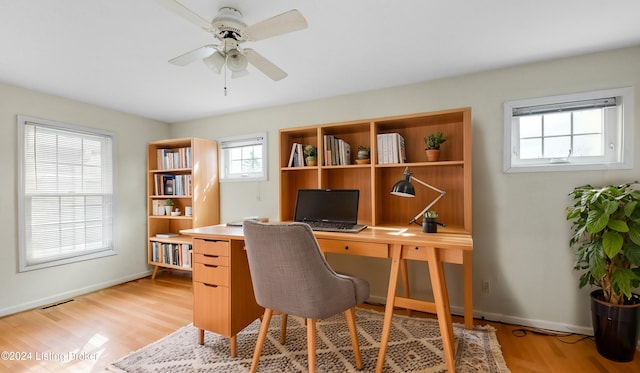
[[166, 235], [168, 185], [391, 148], [292, 155]]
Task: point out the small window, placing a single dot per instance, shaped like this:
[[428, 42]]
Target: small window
[[584, 131], [243, 158], [65, 194]]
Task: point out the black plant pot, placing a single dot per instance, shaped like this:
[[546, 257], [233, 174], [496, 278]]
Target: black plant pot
[[616, 328]]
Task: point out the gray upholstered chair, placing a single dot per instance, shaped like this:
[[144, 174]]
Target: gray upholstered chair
[[291, 276]]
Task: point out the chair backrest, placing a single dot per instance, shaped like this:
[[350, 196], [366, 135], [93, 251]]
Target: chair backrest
[[289, 272]]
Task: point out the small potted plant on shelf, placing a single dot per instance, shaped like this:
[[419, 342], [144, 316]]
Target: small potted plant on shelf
[[363, 155], [432, 144], [311, 155], [168, 206], [606, 241]]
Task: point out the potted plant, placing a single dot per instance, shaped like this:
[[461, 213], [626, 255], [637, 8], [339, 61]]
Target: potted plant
[[168, 206], [430, 222], [432, 144], [363, 155], [311, 155], [606, 241]]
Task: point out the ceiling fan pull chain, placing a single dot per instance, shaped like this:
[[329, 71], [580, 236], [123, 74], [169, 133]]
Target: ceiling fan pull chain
[[225, 75]]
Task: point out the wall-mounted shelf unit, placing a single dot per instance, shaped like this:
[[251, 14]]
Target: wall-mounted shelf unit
[[377, 206]]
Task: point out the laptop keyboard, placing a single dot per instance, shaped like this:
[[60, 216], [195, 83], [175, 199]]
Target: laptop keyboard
[[329, 226]]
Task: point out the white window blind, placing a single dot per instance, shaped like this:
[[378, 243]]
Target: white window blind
[[66, 194]]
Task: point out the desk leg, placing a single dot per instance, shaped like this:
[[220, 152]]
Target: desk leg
[[467, 284], [233, 346], [405, 277], [388, 310], [441, 298]]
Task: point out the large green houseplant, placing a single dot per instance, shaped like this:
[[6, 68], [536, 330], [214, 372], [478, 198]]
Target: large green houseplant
[[606, 241]]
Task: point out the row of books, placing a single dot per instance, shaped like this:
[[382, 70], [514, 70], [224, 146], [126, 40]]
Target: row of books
[[172, 185], [336, 151], [296, 157], [391, 148], [171, 253], [169, 159]]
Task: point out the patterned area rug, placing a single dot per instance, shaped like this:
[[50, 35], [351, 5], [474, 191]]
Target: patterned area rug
[[414, 346]]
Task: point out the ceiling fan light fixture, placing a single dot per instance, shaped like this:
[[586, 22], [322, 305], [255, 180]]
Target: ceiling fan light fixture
[[239, 74], [215, 62], [236, 61]]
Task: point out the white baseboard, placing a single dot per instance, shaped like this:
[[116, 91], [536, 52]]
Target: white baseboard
[[70, 294], [514, 320]]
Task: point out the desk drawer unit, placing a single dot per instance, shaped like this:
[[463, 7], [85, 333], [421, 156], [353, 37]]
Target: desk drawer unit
[[223, 300], [211, 285]]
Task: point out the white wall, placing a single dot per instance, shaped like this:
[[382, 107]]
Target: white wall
[[19, 291], [520, 232]]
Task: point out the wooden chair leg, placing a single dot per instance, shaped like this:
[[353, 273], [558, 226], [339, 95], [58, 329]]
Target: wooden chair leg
[[264, 328], [311, 344], [283, 329], [350, 315]]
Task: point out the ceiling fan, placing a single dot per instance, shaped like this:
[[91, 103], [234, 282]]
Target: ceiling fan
[[231, 31]]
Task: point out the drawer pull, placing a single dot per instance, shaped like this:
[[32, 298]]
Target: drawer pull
[[210, 256], [210, 285], [346, 247], [210, 266]]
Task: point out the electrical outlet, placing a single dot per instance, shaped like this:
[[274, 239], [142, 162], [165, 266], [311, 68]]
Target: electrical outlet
[[486, 286]]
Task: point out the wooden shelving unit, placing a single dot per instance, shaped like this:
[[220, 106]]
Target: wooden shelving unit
[[198, 165], [377, 207]]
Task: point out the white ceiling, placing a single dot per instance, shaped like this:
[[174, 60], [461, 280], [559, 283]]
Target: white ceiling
[[114, 53]]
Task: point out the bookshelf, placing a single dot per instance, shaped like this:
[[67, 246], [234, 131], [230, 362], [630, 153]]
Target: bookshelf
[[184, 171], [377, 207]]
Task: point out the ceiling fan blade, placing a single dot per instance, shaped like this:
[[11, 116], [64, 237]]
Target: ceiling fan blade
[[186, 13], [286, 22], [264, 65], [194, 55]]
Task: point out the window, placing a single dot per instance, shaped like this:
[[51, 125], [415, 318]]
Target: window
[[584, 131], [243, 158], [66, 193]]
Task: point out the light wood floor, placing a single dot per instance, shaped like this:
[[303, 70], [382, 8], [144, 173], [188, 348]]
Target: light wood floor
[[103, 326]]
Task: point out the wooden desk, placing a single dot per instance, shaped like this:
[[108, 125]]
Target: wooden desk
[[399, 244]]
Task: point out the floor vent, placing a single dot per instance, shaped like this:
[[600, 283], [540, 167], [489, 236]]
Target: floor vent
[[56, 304]]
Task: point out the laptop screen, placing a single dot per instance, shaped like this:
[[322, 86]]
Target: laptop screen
[[327, 205]]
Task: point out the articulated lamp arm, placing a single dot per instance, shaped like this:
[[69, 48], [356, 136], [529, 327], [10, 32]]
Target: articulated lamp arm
[[421, 213]]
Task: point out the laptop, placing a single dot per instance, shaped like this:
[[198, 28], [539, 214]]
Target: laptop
[[329, 210]]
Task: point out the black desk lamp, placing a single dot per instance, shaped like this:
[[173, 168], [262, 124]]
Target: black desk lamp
[[404, 188]]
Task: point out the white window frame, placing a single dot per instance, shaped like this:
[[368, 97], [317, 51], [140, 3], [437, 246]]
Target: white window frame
[[225, 145], [67, 252], [618, 136]]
